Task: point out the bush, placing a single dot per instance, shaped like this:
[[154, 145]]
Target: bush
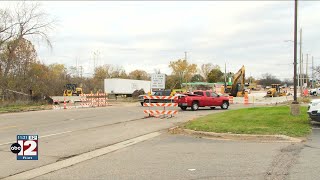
[[136, 93]]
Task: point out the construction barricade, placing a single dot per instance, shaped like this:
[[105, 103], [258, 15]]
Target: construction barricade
[[230, 99], [82, 101], [94, 100], [158, 113], [246, 100]]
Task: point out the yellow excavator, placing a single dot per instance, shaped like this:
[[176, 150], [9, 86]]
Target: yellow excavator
[[275, 91], [72, 90], [237, 89]]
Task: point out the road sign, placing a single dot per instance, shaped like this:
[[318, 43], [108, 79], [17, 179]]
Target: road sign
[[158, 81]]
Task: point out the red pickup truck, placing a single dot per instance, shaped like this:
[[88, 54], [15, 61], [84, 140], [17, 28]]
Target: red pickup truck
[[202, 99]]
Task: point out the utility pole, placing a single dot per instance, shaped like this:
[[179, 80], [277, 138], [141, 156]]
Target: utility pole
[[302, 74], [77, 72], [312, 84], [295, 56], [300, 80], [81, 71], [94, 61], [185, 57], [307, 79], [225, 75]]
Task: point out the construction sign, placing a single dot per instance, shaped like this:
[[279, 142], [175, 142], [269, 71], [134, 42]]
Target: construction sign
[[158, 81]]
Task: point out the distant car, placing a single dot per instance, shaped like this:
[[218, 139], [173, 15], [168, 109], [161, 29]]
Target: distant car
[[314, 91], [314, 110], [156, 93], [268, 87]]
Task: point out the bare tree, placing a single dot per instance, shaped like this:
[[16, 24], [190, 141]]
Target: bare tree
[[6, 27], [206, 69], [26, 20]]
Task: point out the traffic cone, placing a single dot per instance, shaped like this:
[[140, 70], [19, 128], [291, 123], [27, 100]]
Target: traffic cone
[[64, 104]]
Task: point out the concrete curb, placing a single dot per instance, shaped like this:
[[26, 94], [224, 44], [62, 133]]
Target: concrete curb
[[228, 136]]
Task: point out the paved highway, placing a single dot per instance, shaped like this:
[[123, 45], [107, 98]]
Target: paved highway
[[66, 133], [116, 142]]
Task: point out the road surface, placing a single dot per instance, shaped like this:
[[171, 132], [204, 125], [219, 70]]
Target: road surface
[[116, 142]]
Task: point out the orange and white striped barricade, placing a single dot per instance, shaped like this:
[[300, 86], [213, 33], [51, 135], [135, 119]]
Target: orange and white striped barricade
[[160, 112], [231, 99], [163, 112], [94, 100], [161, 104], [246, 100]]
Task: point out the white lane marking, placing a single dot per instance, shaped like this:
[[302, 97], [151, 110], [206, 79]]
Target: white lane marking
[[55, 134], [40, 137], [79, 158], [191, 169]]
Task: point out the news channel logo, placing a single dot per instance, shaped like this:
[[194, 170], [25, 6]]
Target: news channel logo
[[26, 147]]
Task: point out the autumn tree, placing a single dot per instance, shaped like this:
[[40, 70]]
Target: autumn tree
[[116, 72], [100, 73], [173, 82], [183, 70], [57, 78], [139, 75], [27, 20]]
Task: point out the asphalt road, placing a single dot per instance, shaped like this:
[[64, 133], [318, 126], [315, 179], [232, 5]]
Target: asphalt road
[[79, 133], [307, 165], [186, 157], [178, 157], [66, 133]]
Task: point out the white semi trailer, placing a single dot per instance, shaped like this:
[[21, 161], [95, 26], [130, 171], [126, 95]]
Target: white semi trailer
[[125, 86]]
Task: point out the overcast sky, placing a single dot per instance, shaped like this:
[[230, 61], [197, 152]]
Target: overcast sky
[[148, 35]]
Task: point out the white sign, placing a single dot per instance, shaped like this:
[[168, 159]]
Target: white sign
[[158, 81]]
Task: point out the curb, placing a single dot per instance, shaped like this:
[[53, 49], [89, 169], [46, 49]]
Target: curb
[[228, 136]]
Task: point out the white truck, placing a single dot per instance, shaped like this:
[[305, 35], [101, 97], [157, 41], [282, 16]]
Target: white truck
[[125, 86]]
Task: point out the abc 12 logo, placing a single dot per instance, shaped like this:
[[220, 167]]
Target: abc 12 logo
[[26, 147]]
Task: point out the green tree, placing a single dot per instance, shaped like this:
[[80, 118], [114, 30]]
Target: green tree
[[215, 75], [197, 78]]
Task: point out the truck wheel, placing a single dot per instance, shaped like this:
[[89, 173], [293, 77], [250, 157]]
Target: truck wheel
[[183, 108], [195, 106], [314, 93], [225, 105]]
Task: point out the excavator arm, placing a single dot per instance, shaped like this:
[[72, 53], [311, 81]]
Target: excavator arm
[[236, 77]]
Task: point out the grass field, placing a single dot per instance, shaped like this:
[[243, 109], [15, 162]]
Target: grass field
[[259, 120], [21, 107]]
